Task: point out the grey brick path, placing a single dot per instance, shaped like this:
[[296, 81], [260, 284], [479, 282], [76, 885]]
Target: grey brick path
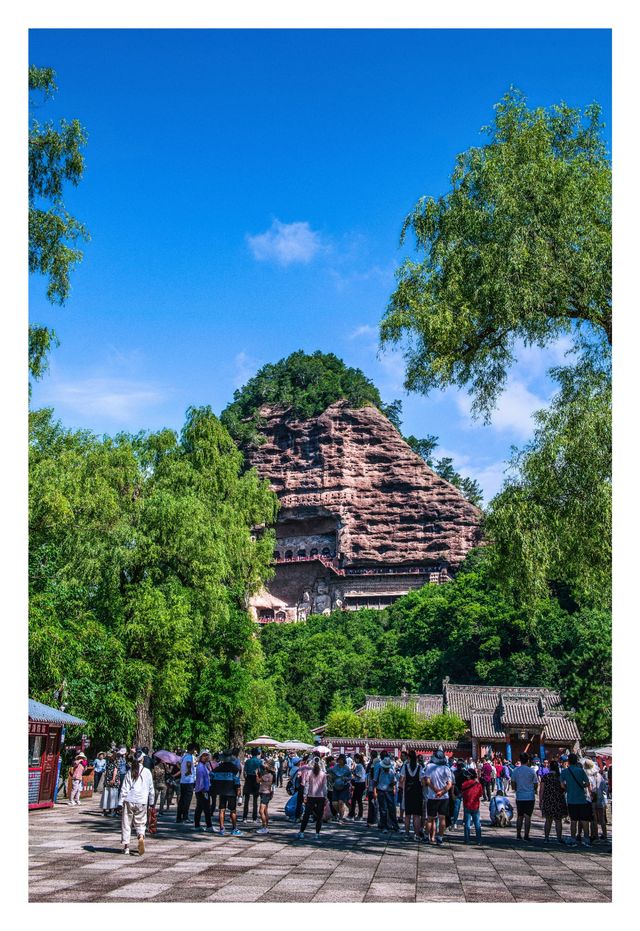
[[75, 857]]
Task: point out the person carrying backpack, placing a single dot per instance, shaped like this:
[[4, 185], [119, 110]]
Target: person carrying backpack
[[472, 792]]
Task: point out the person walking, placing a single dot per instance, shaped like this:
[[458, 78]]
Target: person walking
[[136, 794], [595, 779], [187, 784], [525, 781], [251, 768], [280, 770], [506, 776], [472, 792], [553, 805], [99, 765], [315, 799], [341, 783], [459, 777], [437, 778], [359, 781], [111, 788], [372, 801], [300, 778], [411, 782], [576, 786], [227, 779], [266, 782], [385, 785], [173, 783], [486, 775], [159, 778], [77, 771], [201, 788]]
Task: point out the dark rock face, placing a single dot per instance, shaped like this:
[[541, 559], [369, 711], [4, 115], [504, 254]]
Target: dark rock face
[[350, 485]]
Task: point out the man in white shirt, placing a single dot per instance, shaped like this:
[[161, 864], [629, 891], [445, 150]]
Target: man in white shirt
[[525, 780], [137, 793], [438, 779]]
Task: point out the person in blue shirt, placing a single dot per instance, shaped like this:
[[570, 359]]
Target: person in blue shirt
[[202, 784], [251, 785], [576, 785], [385, 786], [226, 777]]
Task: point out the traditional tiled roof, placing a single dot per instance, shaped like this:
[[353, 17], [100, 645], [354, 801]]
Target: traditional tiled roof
[[46, 715], [560, 727], [463, 699], [485, 724], [515, 713], [427, 705], [375, 743]]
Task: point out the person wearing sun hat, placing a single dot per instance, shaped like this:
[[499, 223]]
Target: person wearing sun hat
[[136, 795], [385, 785], [438, 779], [77, 769]]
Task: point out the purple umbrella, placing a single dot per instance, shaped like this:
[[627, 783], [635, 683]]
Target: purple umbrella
[[166, 756]]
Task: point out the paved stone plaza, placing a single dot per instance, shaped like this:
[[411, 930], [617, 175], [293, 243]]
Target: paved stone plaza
[[75, 856]]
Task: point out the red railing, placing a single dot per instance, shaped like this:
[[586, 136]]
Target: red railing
[[325, 560]]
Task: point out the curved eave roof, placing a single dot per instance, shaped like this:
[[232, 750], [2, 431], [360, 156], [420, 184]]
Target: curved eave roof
[[47, 715]]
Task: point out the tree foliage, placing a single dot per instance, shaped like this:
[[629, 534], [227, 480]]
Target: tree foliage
[[444, 467], [552, 520], [469, 629], [394, 722], [304, 385], [519, 249], [141, 561], [55, 159]]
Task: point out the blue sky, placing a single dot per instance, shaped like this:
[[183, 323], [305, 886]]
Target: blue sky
[[245, 191]]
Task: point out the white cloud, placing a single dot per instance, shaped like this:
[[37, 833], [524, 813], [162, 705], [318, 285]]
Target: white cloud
[[364, 330], [536, 361], [120, 400], [514, 411], [392, 366], [286, 243]]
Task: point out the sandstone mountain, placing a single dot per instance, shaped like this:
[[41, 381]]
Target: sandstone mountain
[[349, 473]]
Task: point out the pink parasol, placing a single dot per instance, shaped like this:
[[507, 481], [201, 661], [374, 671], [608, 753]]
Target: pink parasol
[[166, 756]]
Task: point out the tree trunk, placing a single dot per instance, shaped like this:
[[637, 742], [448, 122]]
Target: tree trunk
[[144, 723], [236, 735]]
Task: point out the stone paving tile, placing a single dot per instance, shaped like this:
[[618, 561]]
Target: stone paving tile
[[350, 864], [139, 890], [337, 894]]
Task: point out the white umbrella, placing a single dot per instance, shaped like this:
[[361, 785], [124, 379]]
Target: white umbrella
[[262, 742], [294, 745], [320, 750]]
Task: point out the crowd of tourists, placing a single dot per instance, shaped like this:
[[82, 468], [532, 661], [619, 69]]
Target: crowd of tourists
[[420, 798]]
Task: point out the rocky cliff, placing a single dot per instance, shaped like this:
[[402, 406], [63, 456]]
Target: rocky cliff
[[353, 466]]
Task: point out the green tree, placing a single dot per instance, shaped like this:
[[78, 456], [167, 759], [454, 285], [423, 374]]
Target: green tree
[[552, 520], [519, 249], [305, 385], [444, 467], [446, 726], [343, 724], [145, 545], [55, 158], [398, 722]]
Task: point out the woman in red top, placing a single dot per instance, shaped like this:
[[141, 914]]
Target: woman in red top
[[471, 795]]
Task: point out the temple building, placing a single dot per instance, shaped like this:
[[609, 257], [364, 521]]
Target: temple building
[[500, 719], [363, 519]]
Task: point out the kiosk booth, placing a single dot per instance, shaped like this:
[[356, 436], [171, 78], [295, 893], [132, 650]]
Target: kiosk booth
[[46, 729]]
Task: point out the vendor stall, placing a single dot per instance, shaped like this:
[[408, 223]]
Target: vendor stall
[[46, 726]]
